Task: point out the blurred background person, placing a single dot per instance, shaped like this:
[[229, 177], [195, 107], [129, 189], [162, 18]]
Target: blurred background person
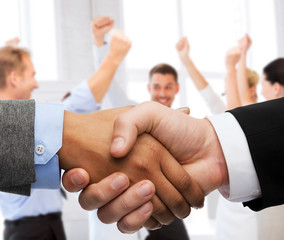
[[42, 210]]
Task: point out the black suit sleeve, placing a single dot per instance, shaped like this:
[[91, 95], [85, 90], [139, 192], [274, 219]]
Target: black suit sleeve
[[263, 125]]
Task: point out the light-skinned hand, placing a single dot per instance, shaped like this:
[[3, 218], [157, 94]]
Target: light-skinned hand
[[232, 57], [119, 45], [193, 142], [100, 27], [183, 48], [245, 43]]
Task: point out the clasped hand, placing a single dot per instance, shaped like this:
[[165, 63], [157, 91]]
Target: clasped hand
[[86, 144]]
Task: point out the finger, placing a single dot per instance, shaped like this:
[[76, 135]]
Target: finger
[[175, 201], [161, 213], [185, 185], [102, 22], [133, 221], [111, 23], [179, 44], [135, 121], [75, 179], [152, 224], [98, 194], [131, 199]]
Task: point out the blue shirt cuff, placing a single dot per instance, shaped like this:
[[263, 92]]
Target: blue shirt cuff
[[48, 140], [81, 100]]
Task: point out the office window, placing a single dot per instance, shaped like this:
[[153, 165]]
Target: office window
[[9, 20], [155, 27], [33, 22], [152, 27], [212, 27]]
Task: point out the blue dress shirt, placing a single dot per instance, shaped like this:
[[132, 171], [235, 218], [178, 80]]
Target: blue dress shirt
[[81, 100], [48, 140]]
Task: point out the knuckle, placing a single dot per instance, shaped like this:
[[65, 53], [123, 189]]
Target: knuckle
[[119, 121], [185, 181], [98, 196], [92, 199], [190, 185], [159, 210], [125, 203], [178, 203], [143, 165]]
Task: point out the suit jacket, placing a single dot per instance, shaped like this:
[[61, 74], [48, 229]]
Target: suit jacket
[[17, 169], [263, 125]]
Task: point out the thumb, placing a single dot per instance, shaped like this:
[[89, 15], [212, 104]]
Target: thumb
[[124, 135], [75, 179], [130, 124]]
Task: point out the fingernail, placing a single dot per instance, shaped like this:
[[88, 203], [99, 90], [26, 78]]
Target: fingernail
[[119, 182], [118, 143], [160, 226], [157, 227], [77, 179], [145, 208], [144, 190], [184, 110]]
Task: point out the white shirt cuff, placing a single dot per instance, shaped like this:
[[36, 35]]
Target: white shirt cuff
[[243, 182]]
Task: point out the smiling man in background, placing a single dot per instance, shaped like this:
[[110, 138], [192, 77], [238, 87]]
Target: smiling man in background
[[163, 85]]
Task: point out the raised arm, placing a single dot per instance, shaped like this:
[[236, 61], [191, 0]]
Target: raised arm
[[100, 27], [183, 49], [246, 97], [99, 83], [232, 92]]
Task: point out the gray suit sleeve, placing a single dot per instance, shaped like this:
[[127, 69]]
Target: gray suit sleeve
[[17, 168]]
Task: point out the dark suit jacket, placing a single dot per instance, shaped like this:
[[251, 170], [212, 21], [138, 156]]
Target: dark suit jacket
[[17, 169], [263, 125]]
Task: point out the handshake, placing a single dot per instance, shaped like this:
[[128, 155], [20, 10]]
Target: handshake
[[146, 164]]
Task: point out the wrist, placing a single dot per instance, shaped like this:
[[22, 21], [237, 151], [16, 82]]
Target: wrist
[[244, 51], [99, 40], [185, 59], [230, 68], [86, 140], [114, 58], [70, 124], [218, 172], [206, 161]]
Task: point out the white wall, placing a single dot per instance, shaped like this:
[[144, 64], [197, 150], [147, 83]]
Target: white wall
[[279, 10], [73, 20]]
